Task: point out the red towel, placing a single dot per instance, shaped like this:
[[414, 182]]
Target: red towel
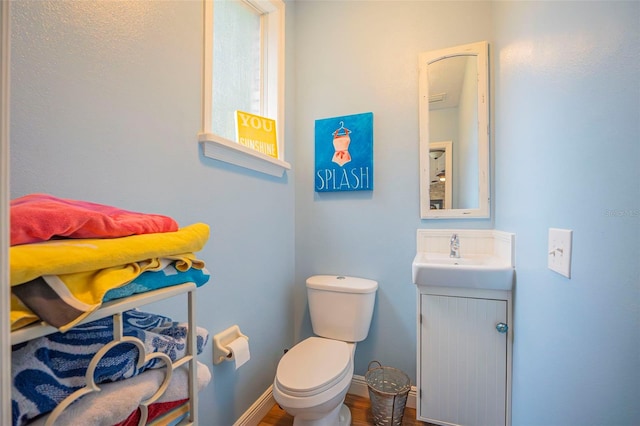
[[41, 217], [155, 410]]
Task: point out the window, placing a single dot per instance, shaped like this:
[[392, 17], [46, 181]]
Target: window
[[243, 70]]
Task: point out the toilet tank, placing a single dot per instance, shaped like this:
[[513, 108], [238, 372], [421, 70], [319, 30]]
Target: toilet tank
[[341, 307]]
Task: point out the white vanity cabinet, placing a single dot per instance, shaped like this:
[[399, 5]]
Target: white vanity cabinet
[[464, 356]]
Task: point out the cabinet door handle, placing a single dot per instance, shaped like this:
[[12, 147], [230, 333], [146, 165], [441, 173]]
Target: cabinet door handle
[[502, 327]]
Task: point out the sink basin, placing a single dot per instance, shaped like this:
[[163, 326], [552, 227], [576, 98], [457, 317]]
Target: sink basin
[[442, 259], [480, 269], [482, 272]]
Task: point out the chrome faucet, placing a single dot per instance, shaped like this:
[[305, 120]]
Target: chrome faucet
[[454, 246]]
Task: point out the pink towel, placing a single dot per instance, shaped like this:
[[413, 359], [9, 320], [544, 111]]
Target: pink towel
[[41, 217]]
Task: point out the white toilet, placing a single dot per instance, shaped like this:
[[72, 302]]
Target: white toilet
[[313, 377]]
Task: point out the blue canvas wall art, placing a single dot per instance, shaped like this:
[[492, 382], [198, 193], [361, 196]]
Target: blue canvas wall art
[[344, 153]]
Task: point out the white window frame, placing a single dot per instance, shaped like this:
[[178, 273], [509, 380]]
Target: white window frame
[[272, 96]]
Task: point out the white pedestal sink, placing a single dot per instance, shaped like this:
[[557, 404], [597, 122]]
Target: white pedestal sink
[[486, 259]]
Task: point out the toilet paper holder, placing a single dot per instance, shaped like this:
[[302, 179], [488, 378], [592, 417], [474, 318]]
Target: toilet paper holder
[[222, 340]]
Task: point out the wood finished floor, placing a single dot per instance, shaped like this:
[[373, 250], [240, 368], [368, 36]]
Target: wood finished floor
[[360, 414]]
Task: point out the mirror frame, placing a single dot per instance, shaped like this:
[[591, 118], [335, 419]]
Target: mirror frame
[[481, 51]]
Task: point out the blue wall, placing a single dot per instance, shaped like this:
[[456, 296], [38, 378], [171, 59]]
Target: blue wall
[[106, 107], [567, 156], [354, 57]]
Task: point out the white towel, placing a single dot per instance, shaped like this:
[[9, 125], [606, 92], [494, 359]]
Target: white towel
[[117, 400]]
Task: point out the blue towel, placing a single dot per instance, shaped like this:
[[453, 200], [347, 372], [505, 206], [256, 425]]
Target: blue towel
[[154, 280], [48, 369]]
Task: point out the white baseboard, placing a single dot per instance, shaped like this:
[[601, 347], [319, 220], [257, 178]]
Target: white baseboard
[[258, 409], [261, 407]]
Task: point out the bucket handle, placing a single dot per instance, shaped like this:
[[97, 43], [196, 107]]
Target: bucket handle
[[378, 362]]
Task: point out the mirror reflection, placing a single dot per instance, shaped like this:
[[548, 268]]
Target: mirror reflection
[[441, 180], [453, 114], [453, 110]]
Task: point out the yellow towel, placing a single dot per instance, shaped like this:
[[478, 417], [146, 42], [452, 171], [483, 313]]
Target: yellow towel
[[84, 291], [60, 257], [21, 316], [81, 271]]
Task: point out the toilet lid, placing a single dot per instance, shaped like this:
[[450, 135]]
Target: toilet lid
[[312, 366]]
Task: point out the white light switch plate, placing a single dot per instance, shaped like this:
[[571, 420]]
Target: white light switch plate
[[559, 253]]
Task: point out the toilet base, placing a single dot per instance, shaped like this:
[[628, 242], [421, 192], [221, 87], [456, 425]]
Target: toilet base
[[339, 416], [344, 417]]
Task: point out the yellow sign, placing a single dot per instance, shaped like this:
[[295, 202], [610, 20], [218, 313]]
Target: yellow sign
[[256, 132]]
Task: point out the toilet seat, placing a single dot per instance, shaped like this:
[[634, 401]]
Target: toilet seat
[[313, 366]]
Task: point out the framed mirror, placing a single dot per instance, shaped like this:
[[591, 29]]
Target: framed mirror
[[454, 127]]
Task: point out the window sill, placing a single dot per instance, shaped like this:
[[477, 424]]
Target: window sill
[[225, 150]]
